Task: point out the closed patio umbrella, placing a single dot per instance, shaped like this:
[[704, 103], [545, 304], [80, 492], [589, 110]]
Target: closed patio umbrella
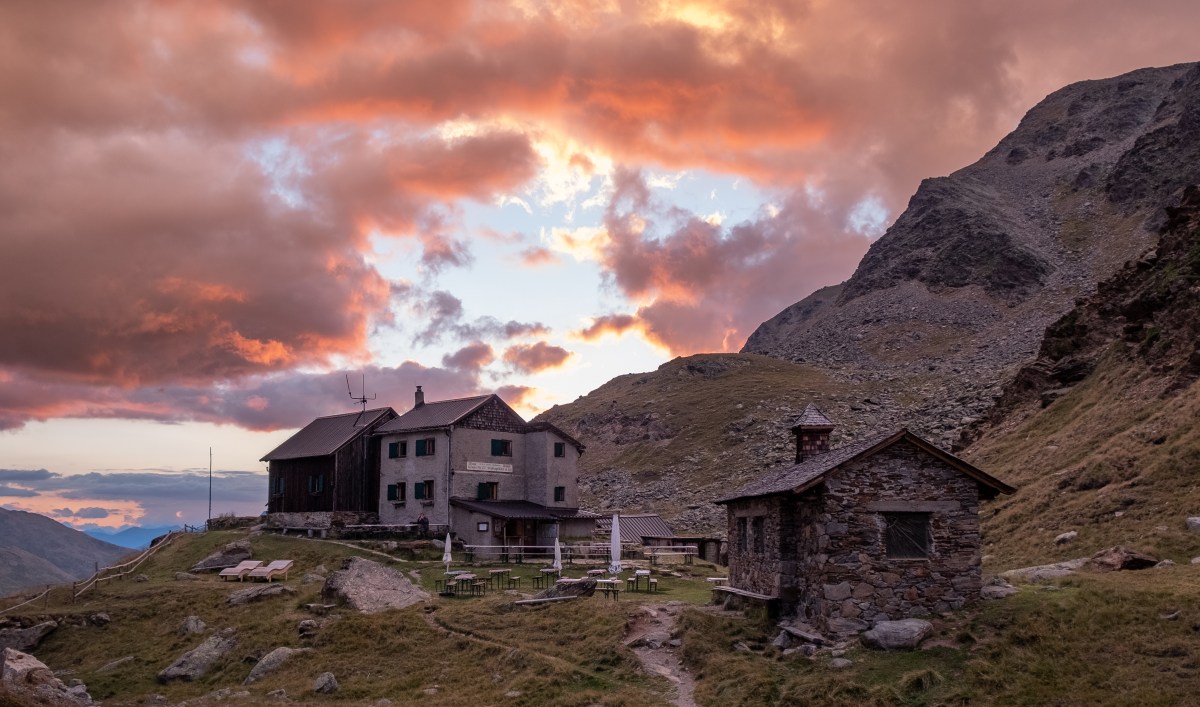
[[446, 557], [557, 556], [614, 567]]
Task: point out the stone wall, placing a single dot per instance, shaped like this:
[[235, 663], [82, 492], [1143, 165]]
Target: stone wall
[[851, 576], [320, 519]]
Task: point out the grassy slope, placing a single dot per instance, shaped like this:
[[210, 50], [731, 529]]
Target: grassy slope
[[1099, 639], [470, 651], [1112, 445]]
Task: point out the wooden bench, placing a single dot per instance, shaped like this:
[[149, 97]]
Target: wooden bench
[[771, 603]]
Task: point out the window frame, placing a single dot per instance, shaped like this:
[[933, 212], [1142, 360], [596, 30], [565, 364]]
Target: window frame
[[397, 450], [423, 490], [316, 484], [426, 447], [560, 494], [487, 491], [502, 448], [560, 449], [742, 531], [899, 540], [397, 492]]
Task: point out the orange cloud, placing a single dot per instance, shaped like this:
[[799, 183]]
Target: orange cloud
[[538, 256], [531, 358], [608, 324]]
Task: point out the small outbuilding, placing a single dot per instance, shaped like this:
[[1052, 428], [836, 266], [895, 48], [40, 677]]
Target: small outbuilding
[[880, 528]]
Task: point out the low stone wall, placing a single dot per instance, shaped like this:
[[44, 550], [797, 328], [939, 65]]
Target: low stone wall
[[231, 522], [318, 520]]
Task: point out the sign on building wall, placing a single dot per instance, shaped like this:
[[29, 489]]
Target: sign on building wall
[[488, 466]]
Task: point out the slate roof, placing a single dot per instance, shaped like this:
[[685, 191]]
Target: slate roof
[[441, 413], [810, 472], [813, 417], [526, 510], [325, 435], [637, 526]]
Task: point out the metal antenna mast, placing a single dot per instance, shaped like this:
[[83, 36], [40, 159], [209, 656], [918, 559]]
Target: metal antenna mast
[[209, 489], [360, 399]]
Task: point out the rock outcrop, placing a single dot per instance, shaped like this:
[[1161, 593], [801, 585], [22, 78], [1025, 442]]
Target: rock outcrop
[[249, 595], [585, 587], [271, 662], [1122, 558], [195, 663], [29, 681], [369, 587], [228, 556], [26, 639], [905, 634]]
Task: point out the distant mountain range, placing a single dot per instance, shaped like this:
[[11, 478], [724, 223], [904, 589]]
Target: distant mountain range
[[36, 550], [135, 538]]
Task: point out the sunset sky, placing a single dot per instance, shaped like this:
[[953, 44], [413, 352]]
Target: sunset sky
[[212, 212]]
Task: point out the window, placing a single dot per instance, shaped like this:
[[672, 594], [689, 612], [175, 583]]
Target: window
[[425, 447], [757, 525], [316, 484], [277, 485], [741, 534], [560, 449], [397, 450], [906, 535], [501, 447], [481, 527], [560, 493], [488, 491], [423, 490], [395, 492]]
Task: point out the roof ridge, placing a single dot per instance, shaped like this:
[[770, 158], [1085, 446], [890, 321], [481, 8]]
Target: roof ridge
[[344, 414], [455, 400]]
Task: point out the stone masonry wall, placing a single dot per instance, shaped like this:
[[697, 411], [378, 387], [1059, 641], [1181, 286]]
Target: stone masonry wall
[[761, 572], [851, 577]]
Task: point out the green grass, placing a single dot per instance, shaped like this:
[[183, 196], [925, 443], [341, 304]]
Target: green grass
[[1095, 640]]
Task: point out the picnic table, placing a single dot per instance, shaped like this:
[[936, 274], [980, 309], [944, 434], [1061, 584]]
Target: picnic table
[[498, 576], [634, 583]]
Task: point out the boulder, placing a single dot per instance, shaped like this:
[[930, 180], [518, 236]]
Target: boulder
[[1193, 524], [100, 619], [325, 684], [308, 628], [250, 595], [369, 587], [652, 640], [585, 587], [1064, 538], [191, 626], [197, 662], [996, 588], [228, 556], [905, 634], [141, 578], [1122, 558], [109, 667], [270, 662], [26, 639], [1165, 563], [840, 663], [1042, 573], [185, 577], [27, 680]]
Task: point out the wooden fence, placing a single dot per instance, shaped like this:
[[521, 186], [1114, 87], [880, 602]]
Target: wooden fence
[[105, 574]]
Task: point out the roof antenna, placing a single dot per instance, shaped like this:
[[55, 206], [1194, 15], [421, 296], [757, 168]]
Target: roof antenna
[[360, 399]]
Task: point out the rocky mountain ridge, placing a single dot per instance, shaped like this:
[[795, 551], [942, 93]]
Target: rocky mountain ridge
[[939, 317]]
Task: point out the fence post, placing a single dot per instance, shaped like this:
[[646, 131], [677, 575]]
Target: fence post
[[72, 592]]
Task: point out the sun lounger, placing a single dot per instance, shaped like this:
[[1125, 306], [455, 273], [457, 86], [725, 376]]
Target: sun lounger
[[269, 572], [241, 570]]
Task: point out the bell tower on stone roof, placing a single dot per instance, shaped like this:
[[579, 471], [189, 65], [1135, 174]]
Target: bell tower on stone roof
[[812, 433]]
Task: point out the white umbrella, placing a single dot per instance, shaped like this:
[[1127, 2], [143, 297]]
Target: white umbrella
[[446, 557], [557, 557], [614, 567]]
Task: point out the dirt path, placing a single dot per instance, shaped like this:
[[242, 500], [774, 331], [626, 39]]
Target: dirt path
[[650, 639]]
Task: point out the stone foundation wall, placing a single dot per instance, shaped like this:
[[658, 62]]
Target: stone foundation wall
[[320, 519], [850, 575]]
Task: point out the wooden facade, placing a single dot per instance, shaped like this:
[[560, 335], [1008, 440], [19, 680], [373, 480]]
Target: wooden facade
[[346, 479]]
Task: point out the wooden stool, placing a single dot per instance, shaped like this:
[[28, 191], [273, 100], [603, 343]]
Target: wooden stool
[[514, 582], [653, 585]]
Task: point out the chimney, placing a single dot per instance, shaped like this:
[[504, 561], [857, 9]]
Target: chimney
[[812, 433], [419, 398]]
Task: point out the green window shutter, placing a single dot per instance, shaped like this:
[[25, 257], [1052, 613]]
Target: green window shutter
[[391, 491], [421, 448], [481, 493], [419, 491], [497, 447], [560, 449], [393, 450]]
